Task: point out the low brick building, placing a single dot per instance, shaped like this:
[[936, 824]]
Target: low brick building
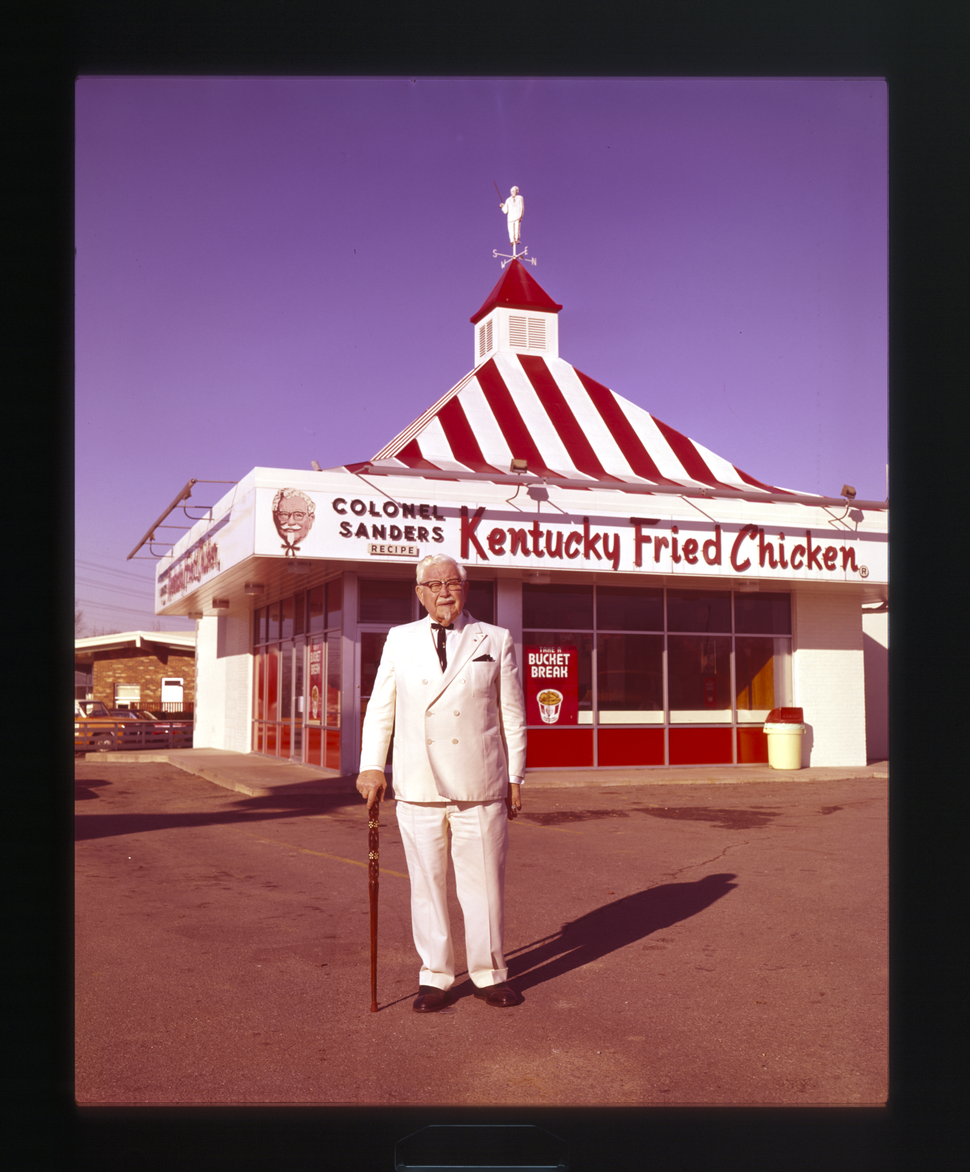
[[154, 670]]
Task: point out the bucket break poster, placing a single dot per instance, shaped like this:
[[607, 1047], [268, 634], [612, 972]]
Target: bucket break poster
[[551, 685]]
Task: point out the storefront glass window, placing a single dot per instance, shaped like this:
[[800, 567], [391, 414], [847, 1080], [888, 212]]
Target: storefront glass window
[[371, 647], [335, 595], [762, 614], [699, 677], [286, 683], [333, 679], [385, 601], [272, 678], [629, 679], [296, 706], [480, 601], [286, 618], [298, 696], [315, 602], [260, 665], [562, 608], [699, 610], [629, 608], [763, 674]]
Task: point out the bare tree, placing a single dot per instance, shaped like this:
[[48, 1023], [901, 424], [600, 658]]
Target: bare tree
[[78, 619]]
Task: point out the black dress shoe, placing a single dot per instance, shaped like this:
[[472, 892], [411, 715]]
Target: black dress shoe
[[500, 996], [429, 999]]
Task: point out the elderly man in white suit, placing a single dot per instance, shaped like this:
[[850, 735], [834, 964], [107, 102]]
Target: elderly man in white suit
[[514, 209], [448, 687]]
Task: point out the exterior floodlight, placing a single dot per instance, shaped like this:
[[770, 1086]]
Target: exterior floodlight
[[220, 603], [848, 492], [519, 466]]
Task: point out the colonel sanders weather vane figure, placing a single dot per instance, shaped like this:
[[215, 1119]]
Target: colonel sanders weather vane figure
[[513, 209]]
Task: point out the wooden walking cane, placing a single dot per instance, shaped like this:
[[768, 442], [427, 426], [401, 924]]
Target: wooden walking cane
[[373, 871]]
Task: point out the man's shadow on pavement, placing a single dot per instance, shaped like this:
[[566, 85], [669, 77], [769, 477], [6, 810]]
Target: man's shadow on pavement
[[605, 929]]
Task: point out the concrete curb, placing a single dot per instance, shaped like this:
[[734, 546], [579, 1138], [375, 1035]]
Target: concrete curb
[[260, 777]]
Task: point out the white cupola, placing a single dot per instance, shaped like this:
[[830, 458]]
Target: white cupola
[[518, 317]]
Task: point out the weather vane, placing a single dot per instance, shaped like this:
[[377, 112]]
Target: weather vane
[[514, 209]]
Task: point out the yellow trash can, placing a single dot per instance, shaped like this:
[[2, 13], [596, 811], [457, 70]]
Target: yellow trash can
[[784, 729]]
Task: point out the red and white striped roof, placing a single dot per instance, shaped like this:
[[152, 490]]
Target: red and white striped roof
[[566, 424], [536, 407]]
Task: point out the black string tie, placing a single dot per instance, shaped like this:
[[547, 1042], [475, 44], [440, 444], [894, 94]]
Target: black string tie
[[442, 653]]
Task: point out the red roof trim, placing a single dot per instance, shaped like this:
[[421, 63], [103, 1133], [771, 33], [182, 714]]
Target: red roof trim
[[410, 455], [757, 483], [516, 289]]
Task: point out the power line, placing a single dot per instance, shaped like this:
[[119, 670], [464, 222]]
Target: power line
[[148, 591], [111, 570], [112, 609]]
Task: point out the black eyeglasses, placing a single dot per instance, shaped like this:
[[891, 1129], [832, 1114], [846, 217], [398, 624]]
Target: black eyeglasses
[[435, 586]]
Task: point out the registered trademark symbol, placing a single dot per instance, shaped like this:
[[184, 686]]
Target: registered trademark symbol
[[863, 571]]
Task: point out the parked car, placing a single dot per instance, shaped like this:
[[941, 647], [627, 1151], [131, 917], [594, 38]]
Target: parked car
[[147, 724], [101, 728], [94, 727], [163, 722]]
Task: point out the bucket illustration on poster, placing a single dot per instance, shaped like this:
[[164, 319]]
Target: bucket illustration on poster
[[550, 705]]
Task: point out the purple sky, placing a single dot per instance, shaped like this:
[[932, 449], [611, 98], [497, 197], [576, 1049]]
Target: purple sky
[[274, 271]]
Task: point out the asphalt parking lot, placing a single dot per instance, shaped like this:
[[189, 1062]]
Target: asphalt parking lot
[[688, 945]]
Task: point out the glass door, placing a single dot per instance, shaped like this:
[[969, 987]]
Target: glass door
[[370, 645], [296, 750], [286, 700]]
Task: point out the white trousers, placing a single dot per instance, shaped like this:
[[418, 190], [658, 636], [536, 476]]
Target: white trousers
[[479, 844]]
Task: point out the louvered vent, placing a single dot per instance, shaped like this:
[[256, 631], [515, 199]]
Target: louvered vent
[[527, 333], [484, 338]]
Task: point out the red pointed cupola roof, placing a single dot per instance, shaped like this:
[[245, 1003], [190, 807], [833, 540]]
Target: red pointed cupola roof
[[516, 289]]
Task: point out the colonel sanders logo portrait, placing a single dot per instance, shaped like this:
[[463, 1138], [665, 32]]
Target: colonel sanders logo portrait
[[293, 517]]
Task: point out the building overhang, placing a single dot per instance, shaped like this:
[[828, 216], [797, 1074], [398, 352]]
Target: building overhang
[[86, 649], [363, 515]]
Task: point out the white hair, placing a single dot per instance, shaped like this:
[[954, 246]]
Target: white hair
[[288, 492], [436, 559]]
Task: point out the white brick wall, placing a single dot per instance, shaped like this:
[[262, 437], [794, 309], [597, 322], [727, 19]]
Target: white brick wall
[[224, 678], [828, 676]]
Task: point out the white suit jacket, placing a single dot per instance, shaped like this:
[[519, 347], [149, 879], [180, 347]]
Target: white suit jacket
[[514, 207], [458, 734]]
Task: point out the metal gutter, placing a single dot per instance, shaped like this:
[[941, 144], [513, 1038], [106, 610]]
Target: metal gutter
[[182, 496], [699, 493]]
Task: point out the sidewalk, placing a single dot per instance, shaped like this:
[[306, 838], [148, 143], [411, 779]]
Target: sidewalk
[[259, 777]]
